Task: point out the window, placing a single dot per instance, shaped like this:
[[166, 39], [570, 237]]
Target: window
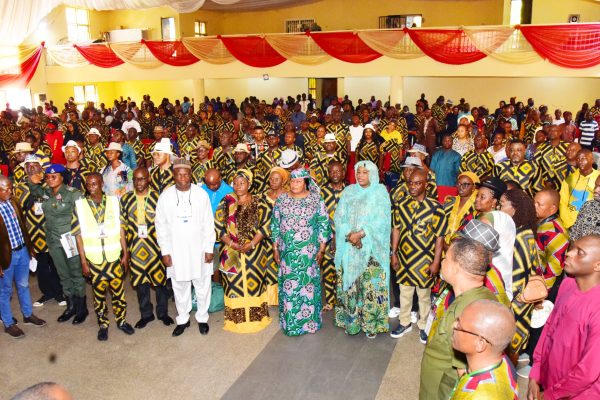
[[515, 11], [78, 25], [199, 28], [400, 21], [312, 87], [17, 98], [299, 25], [83, 94], [168, 28]]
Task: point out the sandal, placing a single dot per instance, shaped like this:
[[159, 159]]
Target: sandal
[[371, 335]]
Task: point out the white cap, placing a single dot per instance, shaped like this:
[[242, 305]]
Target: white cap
[[329, 137], [71, 143], [288, 158], [114, 146], [94, 131], [164, 146]]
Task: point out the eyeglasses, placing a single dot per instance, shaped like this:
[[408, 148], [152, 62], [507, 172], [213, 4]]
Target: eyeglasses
[[469, 332]]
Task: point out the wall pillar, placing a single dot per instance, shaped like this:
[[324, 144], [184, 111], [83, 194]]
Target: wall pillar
[[340, 88], [396, 89], [198, 90]]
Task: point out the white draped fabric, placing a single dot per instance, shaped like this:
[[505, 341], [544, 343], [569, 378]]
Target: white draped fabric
[[20, 18]]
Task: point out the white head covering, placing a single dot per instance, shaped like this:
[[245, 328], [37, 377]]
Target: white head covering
[[503, 258]]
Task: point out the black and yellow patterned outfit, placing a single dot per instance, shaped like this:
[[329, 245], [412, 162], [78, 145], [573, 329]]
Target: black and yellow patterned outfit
[[395, 147], [245, 285], [420, 224], [199, 170], [400, 191], [331, 197], [105, 276], [187, 147], [342, 137], [95, 156], [160, 179], [264, 163], [224, 162], [525, 264], [47, 276], [75, 177], [267, 261], [368, 151], [552, 163], [530, 128], [525, 174], [141, 152], [319, 166], [19, 175], [481, 164], [145, 264]]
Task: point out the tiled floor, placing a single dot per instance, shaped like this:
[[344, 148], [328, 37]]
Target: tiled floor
[[153, 365]]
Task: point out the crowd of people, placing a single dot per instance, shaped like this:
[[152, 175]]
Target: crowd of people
[[481, 229]]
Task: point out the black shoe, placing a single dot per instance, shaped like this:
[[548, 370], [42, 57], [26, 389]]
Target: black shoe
[[180, 328], [166, 320], [143, 322], [203, 327], [103, 334], [69, 311], [80, 310], [125, 327]]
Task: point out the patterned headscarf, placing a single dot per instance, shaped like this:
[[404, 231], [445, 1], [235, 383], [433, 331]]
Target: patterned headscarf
[[300, 173], [285, 175], [244, 173]]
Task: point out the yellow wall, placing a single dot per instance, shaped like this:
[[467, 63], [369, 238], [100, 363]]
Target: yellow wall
[[564, 93], [363, 14], [557, 11], [145, 19]]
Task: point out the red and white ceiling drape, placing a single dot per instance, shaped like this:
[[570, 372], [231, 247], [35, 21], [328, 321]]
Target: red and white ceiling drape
[[568, 46]]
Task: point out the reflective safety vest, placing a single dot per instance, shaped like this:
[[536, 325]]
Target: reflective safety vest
[[97, 249]]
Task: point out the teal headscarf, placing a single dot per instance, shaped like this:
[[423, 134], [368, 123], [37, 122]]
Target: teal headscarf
[[366, 209]]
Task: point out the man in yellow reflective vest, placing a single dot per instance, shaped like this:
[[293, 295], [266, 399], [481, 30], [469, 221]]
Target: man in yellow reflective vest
[[103, 251]]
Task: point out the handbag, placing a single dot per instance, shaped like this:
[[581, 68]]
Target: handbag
[[534, 291]]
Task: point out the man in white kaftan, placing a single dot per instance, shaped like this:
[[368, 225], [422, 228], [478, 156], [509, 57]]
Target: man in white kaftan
[[186, 235]]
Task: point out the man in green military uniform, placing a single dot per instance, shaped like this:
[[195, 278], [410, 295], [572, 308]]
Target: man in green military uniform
[[47, 277], [58, 203], [464, 268]]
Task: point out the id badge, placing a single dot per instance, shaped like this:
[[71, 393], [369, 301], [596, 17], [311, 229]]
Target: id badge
[[143, 231], [430, 319], [102, 232], [37, 208]]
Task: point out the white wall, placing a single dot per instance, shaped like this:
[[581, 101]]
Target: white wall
[[263, 89], [363, 88]]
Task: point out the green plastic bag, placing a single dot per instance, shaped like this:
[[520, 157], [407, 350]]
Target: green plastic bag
[[217, 302]]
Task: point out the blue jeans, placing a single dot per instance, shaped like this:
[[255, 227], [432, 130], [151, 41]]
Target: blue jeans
[[18, 271]]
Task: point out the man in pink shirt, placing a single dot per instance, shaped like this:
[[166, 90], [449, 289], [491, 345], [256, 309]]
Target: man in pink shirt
[[565, 361]]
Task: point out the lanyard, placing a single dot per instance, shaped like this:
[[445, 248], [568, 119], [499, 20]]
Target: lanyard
[[98, 213]]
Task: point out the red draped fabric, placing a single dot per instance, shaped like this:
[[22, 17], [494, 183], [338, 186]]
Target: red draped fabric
[[254, 51], [448, 46], [172, 53], [27, 69], [345, 46], [571, 46], [99, 55]]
